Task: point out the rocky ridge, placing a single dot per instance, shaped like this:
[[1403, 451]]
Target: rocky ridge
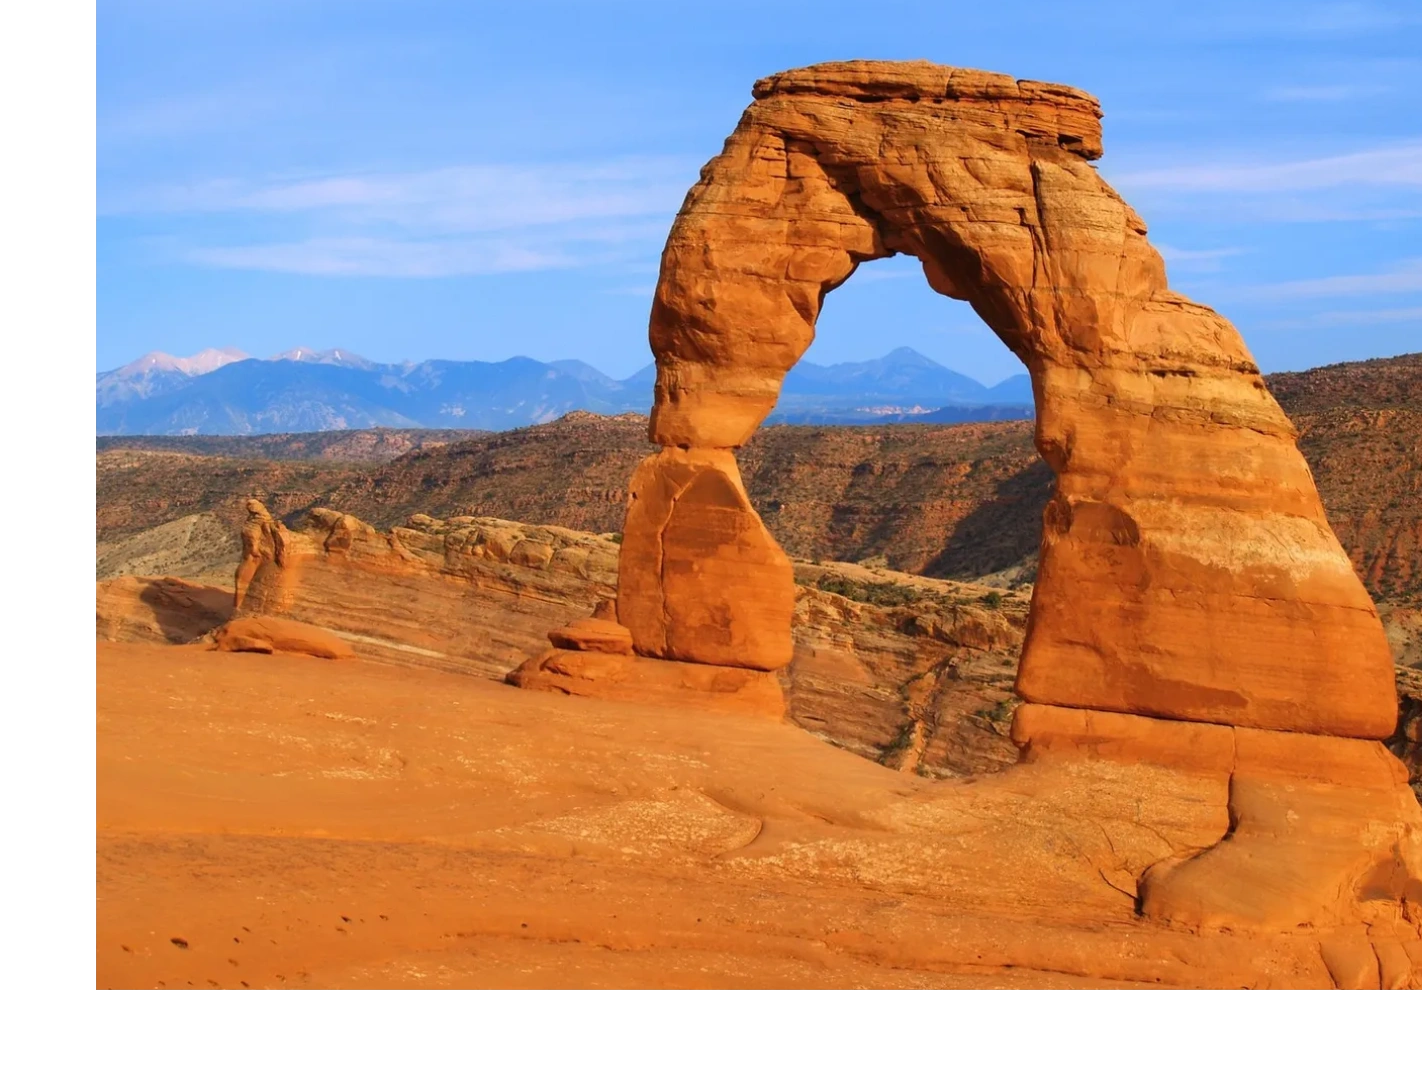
[[960, 502]]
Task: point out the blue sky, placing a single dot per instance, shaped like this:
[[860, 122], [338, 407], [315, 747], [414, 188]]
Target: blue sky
[[479, 180]]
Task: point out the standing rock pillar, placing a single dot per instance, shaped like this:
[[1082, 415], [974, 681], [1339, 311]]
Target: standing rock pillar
[[701, 579]]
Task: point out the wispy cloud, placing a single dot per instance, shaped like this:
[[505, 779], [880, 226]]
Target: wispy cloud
[[466, 198], [1368, 318], [1399, 165], [513, 251], [369, 257], [475, 219], [170, 116], [1406, 276], [1373, 317], [1198, 260]]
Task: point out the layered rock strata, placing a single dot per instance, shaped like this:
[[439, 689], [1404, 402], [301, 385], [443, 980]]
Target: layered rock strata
[[912, 672], [475, 595]]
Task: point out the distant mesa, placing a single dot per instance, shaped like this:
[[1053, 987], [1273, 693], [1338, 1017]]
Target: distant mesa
[[227, 392]]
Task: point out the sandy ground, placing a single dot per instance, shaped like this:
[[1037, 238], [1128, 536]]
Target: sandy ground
[[279, 821]]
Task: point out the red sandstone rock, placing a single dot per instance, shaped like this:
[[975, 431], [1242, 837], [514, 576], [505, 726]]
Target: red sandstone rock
[[1313, 830], [268, 635], [1324, 831], [1187, 569], [476, 595], [658, 682], [593, 634], [159, 610], [924, 686], [700, 579]]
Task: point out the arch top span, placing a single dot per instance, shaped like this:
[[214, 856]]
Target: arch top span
[[1187, 569], [985, 179]]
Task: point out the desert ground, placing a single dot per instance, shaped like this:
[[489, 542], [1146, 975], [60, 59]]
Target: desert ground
[[404, 818], [283, 821]]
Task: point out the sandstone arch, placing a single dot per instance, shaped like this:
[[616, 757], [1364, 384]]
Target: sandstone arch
[[1193, 608], [1187, 569]]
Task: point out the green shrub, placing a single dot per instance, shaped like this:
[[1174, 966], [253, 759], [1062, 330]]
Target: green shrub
[[880, 594]]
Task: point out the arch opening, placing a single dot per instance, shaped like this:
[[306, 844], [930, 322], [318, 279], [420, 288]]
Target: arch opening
[[845, 495]]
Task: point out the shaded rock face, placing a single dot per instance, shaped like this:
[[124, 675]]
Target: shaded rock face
[[158, 610], [1186, 572]]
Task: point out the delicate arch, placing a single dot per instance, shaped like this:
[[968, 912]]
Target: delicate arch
[[1187, 569]]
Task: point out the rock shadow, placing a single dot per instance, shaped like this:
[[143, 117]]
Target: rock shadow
[[183, 610], [1003, 532]]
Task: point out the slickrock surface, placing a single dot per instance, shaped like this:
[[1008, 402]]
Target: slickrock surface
[[288, 822]]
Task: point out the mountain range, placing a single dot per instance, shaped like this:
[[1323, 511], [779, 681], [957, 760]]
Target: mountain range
[[225, 391]]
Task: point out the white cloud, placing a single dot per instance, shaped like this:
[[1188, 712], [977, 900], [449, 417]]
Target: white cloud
[[1404, 277], [1398, 165], [1198, 260], [376, 257], [1389, 314], [475, 219], [366, 257], [469, 199], [172, 116]]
